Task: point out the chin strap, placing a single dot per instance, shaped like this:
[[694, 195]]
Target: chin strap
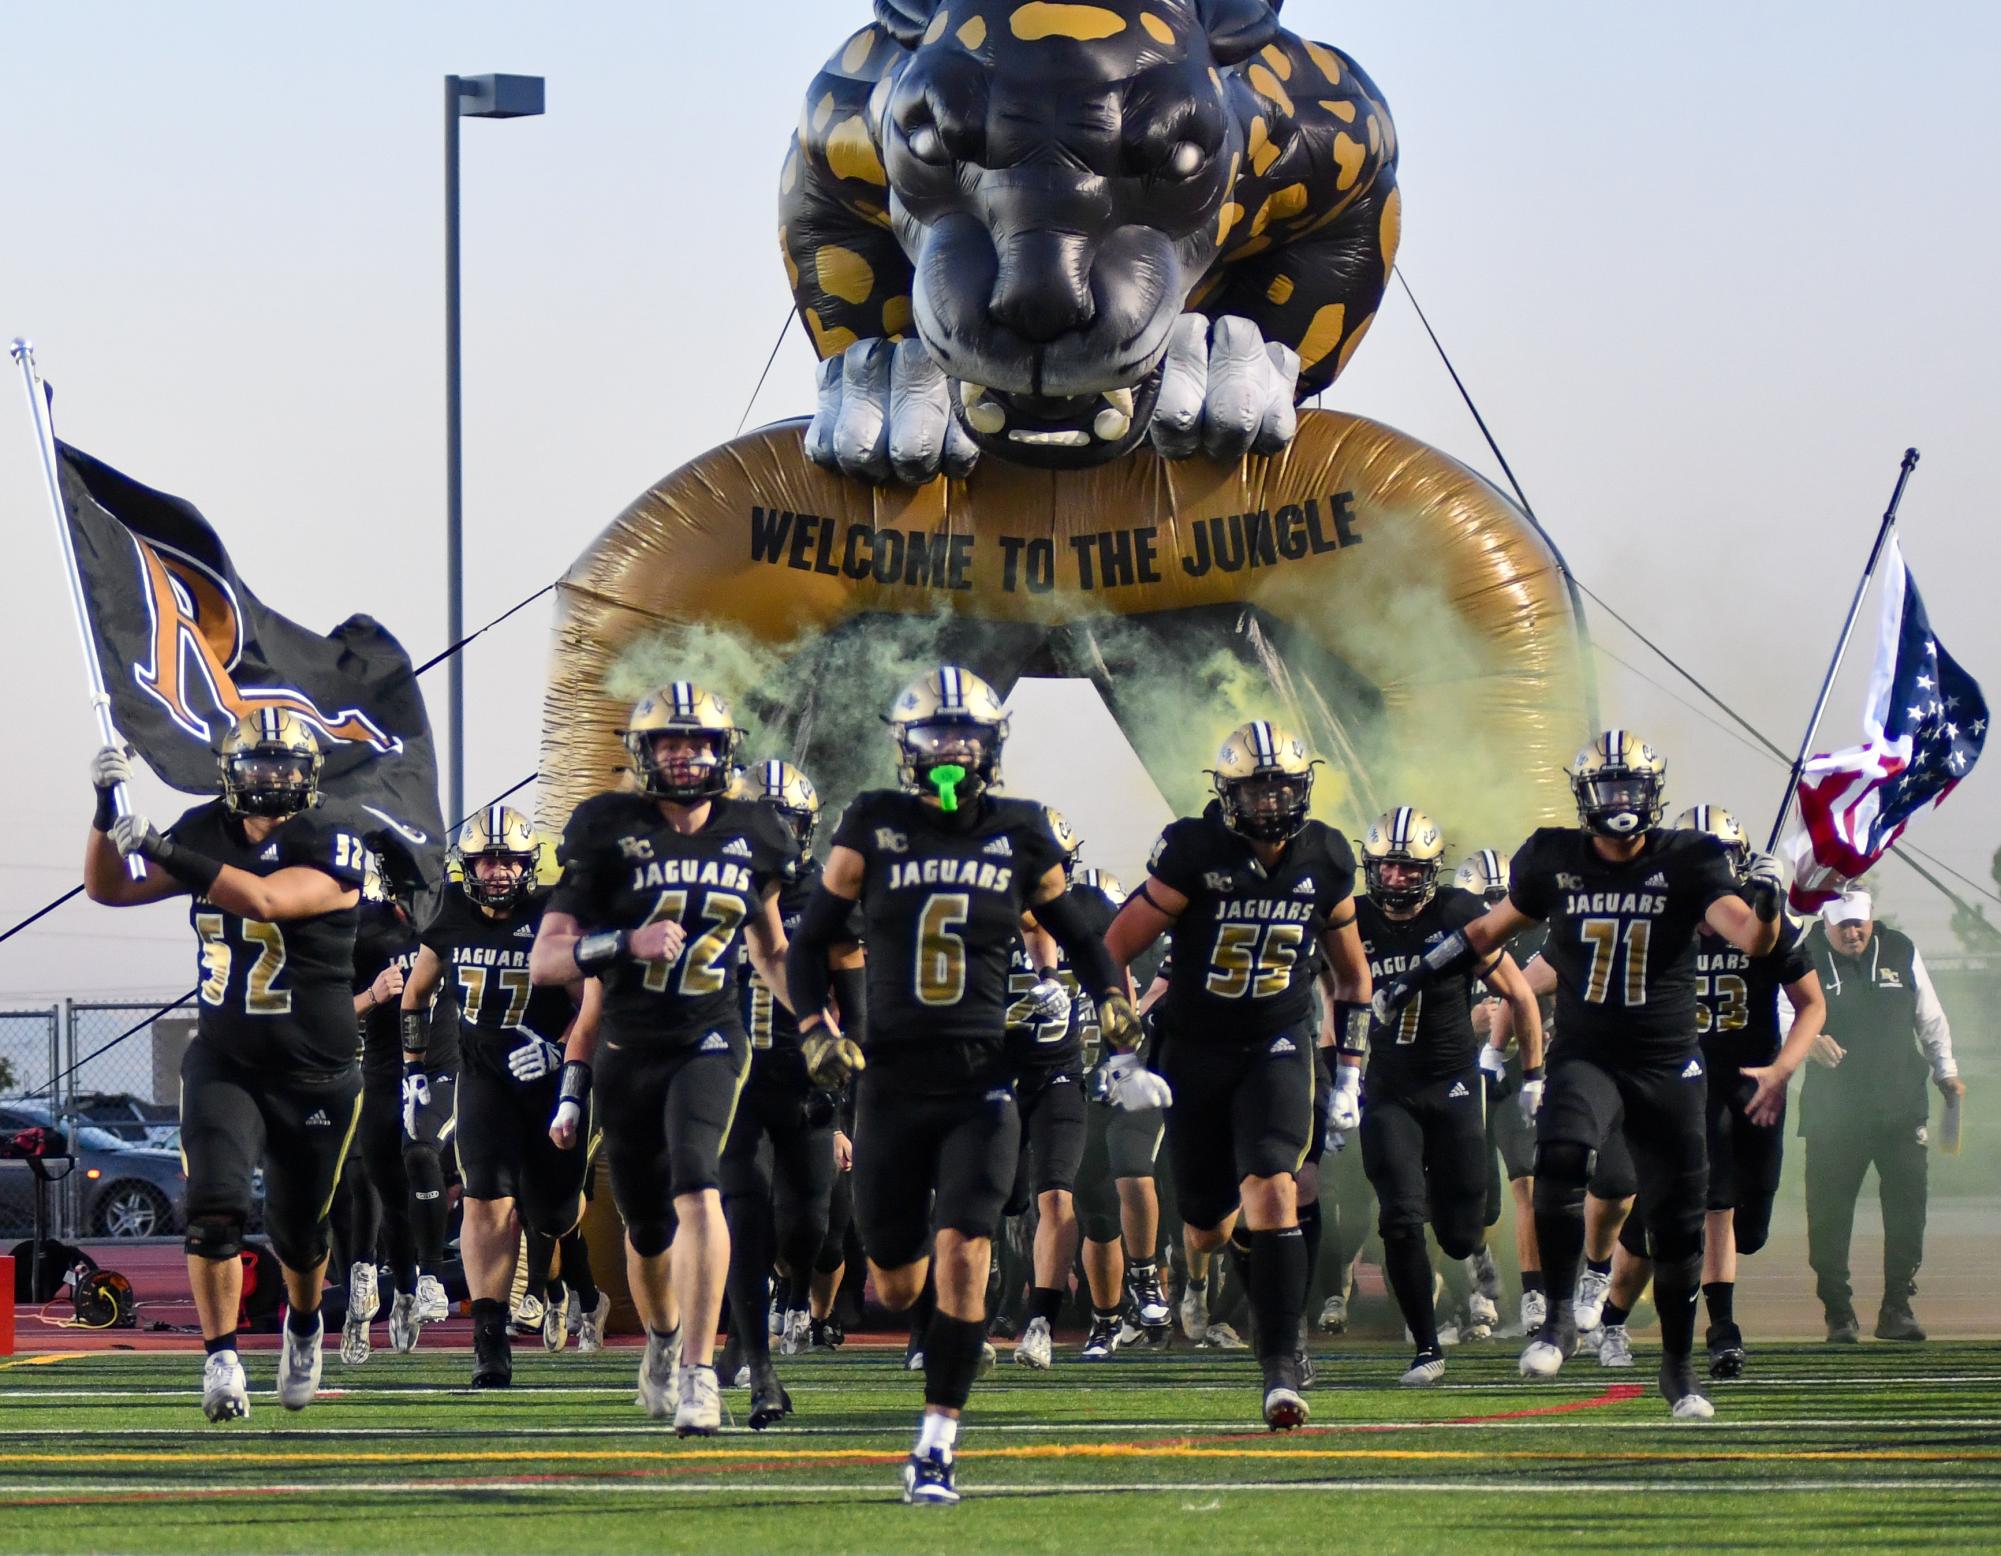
[[946, 778]]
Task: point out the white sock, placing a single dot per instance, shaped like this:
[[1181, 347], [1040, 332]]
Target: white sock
[[937, 1431]]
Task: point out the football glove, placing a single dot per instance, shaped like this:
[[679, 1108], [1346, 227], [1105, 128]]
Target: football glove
[[831, 1059], [1530, 1097], [416, 1096], [1344, 1113], [1050, 1002], [1765, 885], [1493, 1067], [1130, 1086], [134, 834], [573, 1093], [534, 1059], [1118, 1023], [1390, 999], [110, 767]]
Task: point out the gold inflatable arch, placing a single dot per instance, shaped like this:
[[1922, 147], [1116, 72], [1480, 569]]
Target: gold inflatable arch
[[1376, 594]]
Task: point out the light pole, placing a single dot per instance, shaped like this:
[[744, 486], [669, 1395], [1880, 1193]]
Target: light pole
[[466, 97]]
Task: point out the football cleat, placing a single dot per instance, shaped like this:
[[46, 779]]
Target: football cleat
[[927, 1479], [913, 1356], [1148, 1300], [1588, 1340], [556, 1324], [1726, 1351], [1535, 1309], [1195, 1310], [1694, 1407], [1591, 1291], [774, 1316], [989, 1359], [1448, 1334], [1034, 1349], [1425, 1370], [1304, 1362], [492, 1355], [798, 1332], [529, 1314], [1683, 1394], [403, 1325], [363, 1301], [299, 1366], [826, 1334], [432, 1308], [1284, 1406], [1334, 1315], [698, 1408], [1221, 1337], [658, 1365], [1615, 1346], [1482, 1317], [1553, 1345], [769, 1403], [1102, 1340], [225, 1393]]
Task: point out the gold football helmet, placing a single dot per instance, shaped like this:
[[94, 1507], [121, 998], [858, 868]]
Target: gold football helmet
[[270, 764], [1090, 878], [1724, 827], [1407, 838], [1620, 784], [1485, 874], [698, 766], [789, 792], [1264, 779], [1068, 840], [949, 728], [502, 833]]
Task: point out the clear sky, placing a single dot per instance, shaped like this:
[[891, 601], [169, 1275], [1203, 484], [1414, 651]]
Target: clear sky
[[1708, 269]]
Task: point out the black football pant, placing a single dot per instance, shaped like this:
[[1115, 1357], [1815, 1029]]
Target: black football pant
[[958, 1147], [1425, 1151], [379, 1149], [504, 1151], [1662, 1110], [298, 1126], [1241, 1110], [1836, 1162], [778, 1185], [1053, 1131], [1117, 1144], [665, 1112]]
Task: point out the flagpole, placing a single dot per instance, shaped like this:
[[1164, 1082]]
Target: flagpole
[[1889, 523], [23, 353]]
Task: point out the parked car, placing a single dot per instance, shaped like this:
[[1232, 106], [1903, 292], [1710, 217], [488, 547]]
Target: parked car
[[132, 1119], [126, 1190]]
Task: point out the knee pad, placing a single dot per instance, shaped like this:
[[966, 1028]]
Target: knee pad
[[650, 1239], [1564, 1162], [1633, 1236], [1099, 1226], [299, 1253], [552, 1215], [218, 1238], [1019, 1198], [1676, 1241], [1460, 1237], [1753, 1225]]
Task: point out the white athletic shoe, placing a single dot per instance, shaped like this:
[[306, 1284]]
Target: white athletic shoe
[[363, 1302], [299, 1366], [1195, 1310], [556, 1324], [1535, 1308], [1590, 1340], [1545, 1353], [529, 1315], [699, 1410], [774, 1316], [657, 1368], [798, 1333], [1426, 1370], [1221, 1337], [225, 1392], [590, 1327], [1483, 1317], [1591, 1290], [989, 1359], [1448, 1334], [403, 1325], [1615, 1349], [431, 1305], [1334, 1315], [1034, 1348], [741, 1379], [1693, 1407]]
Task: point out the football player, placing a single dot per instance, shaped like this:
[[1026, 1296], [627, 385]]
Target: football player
[[1247, 890], [511, 1038], [270, 1077], [1623, 899], [943, 869], [778, 1212], [1424, 1133], [660, 887]]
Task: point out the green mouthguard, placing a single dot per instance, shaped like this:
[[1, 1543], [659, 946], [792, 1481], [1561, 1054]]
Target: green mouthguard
[[946, 778]]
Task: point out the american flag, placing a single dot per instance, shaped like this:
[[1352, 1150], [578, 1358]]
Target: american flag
[[1922, 731]]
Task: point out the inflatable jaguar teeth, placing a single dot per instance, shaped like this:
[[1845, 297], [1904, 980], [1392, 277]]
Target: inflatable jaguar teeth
[[1050, 232]]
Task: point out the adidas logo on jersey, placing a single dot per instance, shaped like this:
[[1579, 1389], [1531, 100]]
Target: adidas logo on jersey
[[318, 1119], [714, 1043], [1692, 1070], [1458, 1090], [737, 848], [1000, 846], [270, 852], [1658, 879], [1305, 888], [525, 932], [1283, 1045]]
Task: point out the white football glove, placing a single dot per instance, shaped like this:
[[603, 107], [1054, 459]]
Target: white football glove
[[1345, 1114], [1493, 1066], [533, 1060], [1050, 1002], [132, 834], [416, 1098], [1131, 1087], [569, 1114], [110, 767], [1531, 1098]]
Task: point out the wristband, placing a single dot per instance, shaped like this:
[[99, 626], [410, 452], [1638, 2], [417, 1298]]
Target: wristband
[[575, 1084], [413, 1070], [415, 1039], [1453, 954], [107, 810], [1049, 974], [1351, 1028], [195, 871], [595, 952], [1531, 1072]]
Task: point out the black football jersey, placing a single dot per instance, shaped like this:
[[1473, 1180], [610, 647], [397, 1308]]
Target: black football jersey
[[1434, 1037], [1622, 936], [1737, 996], [624, 866], [1245, 949], [383, 938], [770, 1025], [942, 899], [486, 970], [278, 996], [1058, 1045]]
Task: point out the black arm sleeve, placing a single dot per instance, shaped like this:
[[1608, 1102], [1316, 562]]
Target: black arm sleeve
[[1089, 959], [851, 998], [823, 925]]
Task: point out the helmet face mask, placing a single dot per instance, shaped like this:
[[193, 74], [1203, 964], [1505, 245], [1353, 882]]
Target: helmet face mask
[[1485, 874], [1401, 858], [270, 763], [496, 853], [1264, 782], [1619, 786], [683, 744], [787, 791], [949, 729]]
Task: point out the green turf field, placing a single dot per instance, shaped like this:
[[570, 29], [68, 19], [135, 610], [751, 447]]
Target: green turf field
[[1858, 1449]]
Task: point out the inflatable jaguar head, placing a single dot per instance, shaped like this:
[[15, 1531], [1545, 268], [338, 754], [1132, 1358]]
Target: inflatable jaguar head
[[1050, 231]]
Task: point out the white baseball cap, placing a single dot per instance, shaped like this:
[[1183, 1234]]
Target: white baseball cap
[[1851, 907]]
